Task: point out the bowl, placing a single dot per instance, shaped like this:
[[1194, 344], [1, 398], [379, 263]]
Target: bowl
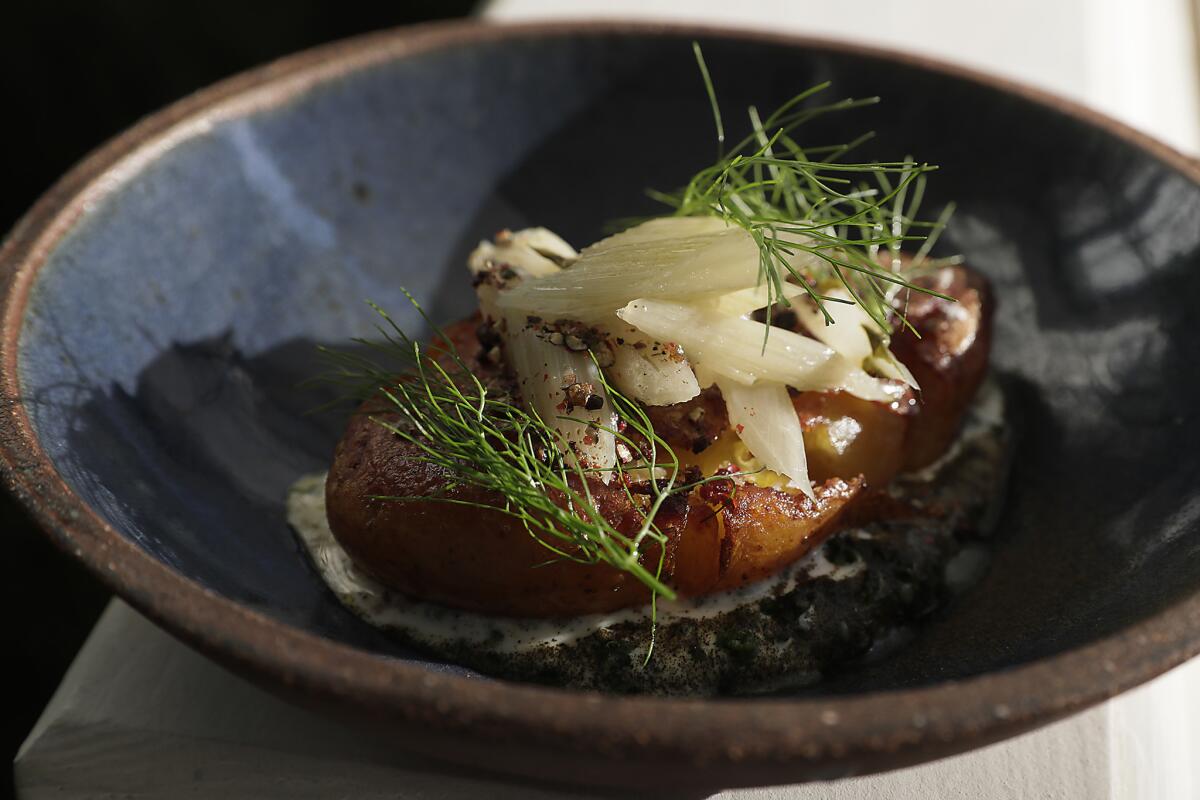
[[163, 300]]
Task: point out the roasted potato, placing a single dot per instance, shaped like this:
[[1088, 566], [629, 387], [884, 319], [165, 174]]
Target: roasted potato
[[485, 561], [846, 436], [457, 555], [722, 536], [949, 359]]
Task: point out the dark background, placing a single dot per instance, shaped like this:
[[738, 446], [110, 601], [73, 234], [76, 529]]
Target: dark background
[[71, 76]]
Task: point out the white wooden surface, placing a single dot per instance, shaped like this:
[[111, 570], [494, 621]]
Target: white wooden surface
[[140, 715]]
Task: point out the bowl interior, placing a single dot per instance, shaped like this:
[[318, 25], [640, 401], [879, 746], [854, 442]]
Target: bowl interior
[[166, 335]]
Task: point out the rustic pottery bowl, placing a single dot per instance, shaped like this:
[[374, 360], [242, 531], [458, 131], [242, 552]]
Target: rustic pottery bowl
[[162, 301]]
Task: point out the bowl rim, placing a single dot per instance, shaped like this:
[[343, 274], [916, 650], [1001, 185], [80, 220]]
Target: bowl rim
[[744, 740]]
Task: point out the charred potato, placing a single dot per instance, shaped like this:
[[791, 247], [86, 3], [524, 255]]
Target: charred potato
[[949, 359], [484, 561]]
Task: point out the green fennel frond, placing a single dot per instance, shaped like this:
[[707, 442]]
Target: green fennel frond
[[487, 439], [817, 220]]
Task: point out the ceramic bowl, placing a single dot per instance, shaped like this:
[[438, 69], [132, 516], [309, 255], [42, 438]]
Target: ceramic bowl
[[163, 300]]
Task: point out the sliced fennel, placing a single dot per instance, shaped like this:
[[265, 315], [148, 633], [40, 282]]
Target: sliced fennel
[[744, 301], [648, 372], [733, 347], [854, 335], [847, 332], [531, 253], [544, 372], [766, 421], [884, 362], [545, 242], [642, 369], [700, 275], [675, 257]]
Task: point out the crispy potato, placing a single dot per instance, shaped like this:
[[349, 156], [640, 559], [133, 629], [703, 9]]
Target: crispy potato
[[949, 360], [457, 555], [846, 436], [487, 562], [766, 530]]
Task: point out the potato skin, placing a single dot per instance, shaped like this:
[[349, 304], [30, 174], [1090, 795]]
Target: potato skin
[[949, 359], [845, 435], [487, 562], [466, 557], [765, 530]]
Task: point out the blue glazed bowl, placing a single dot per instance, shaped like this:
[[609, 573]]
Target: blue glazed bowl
[[164, 300]]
